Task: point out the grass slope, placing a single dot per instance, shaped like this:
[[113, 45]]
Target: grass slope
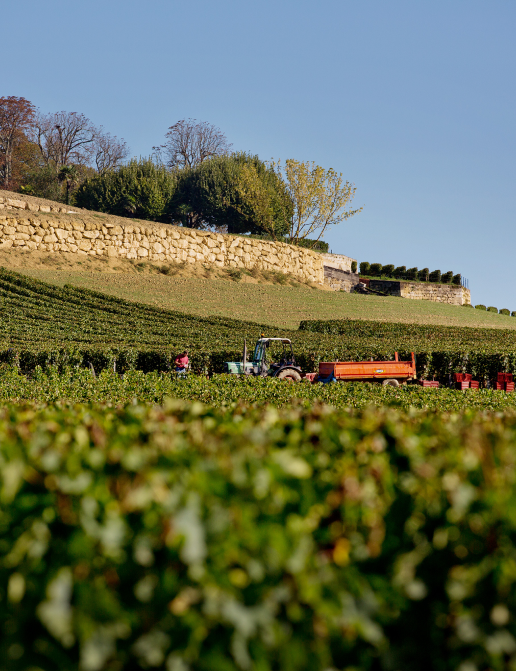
[[272, 304]]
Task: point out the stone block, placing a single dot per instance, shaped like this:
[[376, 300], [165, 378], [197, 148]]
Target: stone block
[[84, 245], [44, 208], [18, 204], [50, 238]]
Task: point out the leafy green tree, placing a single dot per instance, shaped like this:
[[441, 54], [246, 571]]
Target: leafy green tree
[[140, 189], [237, 193], [318, 198]]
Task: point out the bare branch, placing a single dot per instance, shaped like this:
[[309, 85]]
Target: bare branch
[[64, 138], [189, 143], [109, 152]]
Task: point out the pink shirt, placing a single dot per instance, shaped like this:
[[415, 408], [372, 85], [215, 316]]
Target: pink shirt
[[181, 361]]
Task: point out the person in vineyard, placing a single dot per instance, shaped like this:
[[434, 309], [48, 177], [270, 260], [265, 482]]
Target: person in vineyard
[[181, 362]]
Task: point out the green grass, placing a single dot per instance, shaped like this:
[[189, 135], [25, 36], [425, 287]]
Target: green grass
[[275, 305]]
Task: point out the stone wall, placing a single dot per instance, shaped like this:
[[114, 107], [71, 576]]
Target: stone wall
[[340, 280], [428, 291], [64, 230], [338, 261], [33, 205]]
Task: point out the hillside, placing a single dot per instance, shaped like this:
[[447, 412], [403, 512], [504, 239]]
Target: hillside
[[42, 324], [195, 291], [200, 289]]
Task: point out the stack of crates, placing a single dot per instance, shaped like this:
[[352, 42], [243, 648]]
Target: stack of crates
[[429, 383], [463, 381], [504, 382]]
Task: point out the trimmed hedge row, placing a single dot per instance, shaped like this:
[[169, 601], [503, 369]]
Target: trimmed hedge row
[[503, 311], [402, 273], [186, 538]]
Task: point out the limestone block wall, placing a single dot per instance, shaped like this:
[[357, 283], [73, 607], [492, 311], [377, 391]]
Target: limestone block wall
[[338, 261], [439, 293], [78, 233], [340, 280]]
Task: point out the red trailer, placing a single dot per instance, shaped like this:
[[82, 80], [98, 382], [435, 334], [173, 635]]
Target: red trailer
[[392, 373]]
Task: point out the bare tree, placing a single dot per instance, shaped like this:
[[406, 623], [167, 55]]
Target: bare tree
[[109, 152], [64, 138], [16, 119], [189, 143]]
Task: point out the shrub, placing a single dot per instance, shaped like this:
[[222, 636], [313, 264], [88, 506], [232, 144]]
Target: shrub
[[491, 308], [435, 276], [480, 307], [376, 269], [388, 270], [411, 274], [353, 266], [316, 245], [446, 278], [140, 189], [365, 267], [400, 272], [467, 305], [513, 314], [457, 279], [423, 275], [504, 311]]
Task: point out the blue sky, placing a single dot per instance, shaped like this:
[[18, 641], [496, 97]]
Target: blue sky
[[412, 101]]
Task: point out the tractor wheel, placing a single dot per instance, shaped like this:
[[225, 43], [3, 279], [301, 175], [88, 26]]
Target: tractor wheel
[[289, 374], [390, 383]]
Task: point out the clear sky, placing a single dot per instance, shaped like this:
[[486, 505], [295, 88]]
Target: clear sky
[[412, 100]]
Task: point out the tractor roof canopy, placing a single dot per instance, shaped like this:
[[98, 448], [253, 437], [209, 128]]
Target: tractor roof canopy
[[285, 341]]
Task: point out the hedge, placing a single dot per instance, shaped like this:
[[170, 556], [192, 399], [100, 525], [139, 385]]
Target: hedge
[[401, 273]]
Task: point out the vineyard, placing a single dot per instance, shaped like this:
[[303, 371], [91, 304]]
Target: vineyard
[[227, 391], [220, 523], [189, 538], [42, 324]]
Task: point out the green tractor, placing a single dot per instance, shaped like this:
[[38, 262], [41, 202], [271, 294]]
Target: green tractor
[[285, 369]]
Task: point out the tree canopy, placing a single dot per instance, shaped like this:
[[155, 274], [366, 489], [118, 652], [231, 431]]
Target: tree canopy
[[238, 193], [139, 189], [317, 197]]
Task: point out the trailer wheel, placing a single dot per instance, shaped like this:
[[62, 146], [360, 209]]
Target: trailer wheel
[[289, 374], [390, 383]]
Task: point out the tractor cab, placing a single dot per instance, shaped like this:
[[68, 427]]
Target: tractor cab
[[284, 368]]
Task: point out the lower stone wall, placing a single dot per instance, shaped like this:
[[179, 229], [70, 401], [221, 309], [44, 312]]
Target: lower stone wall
[[340, 280], [97, 235], [439, 293]]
